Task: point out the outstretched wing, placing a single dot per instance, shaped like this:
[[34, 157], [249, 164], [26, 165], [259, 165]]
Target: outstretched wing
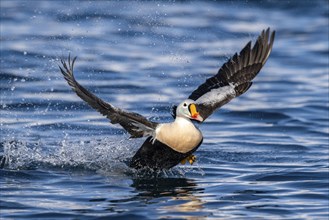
[[136, 124], [234, 77]]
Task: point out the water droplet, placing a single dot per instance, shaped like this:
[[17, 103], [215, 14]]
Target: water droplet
[[25, 53]]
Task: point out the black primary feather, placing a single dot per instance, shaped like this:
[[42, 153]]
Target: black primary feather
[[130, 121], [241, 68]]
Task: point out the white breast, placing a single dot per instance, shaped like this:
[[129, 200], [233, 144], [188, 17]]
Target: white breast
[[181, 135]]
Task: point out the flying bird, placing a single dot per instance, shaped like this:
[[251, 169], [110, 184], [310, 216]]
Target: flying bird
[[168, 144]]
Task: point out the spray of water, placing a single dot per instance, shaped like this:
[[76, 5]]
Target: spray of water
[[107, 156]]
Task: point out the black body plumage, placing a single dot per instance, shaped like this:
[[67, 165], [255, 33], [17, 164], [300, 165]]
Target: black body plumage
[[157, 156]]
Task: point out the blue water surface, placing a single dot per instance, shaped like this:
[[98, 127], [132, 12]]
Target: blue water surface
[[264, 155]]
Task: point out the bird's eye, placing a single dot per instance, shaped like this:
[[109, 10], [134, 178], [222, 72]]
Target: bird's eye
[[184, 104]]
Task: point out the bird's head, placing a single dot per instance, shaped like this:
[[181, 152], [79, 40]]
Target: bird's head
[[188, 109]]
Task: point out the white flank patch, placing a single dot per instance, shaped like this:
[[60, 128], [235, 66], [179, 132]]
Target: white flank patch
[[147, 131], [217, 95]]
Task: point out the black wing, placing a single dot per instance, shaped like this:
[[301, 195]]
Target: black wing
[[136, 124], [234, 77]]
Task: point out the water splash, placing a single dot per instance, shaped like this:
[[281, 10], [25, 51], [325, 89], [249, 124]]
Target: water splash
[[108, 157], [108, 154]]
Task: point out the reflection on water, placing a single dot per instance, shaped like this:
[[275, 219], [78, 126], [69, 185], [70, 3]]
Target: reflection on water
[[179, 194], [167, 187]]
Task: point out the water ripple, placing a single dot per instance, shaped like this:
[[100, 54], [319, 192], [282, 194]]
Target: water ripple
[[264, 154]]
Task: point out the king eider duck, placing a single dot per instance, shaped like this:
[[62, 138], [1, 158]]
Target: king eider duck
[[168, 144]]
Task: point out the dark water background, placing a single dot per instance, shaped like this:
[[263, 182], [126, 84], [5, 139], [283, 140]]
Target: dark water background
[[264, 155]]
